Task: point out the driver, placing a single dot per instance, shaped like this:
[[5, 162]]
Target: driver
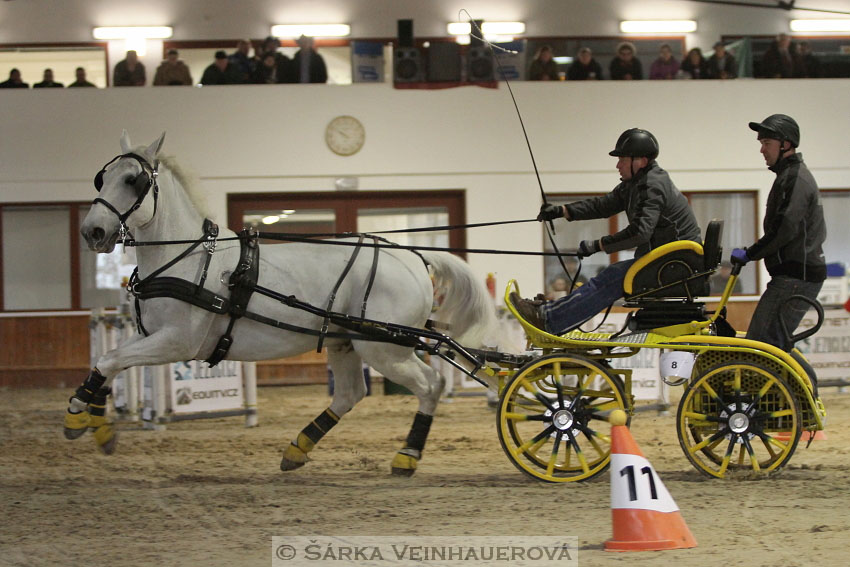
[[657, 212], [794, 232]]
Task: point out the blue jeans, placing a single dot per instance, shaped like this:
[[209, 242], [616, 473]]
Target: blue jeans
[[569, 312], [774, 307]]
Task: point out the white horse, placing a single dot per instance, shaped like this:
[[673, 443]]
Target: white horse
[[153, 197]]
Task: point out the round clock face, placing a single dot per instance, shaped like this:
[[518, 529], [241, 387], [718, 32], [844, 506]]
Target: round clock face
[[345, 135]]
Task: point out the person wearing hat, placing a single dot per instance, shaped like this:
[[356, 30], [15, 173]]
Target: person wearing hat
[[722, 65], [172, 71], [794, 232], [280, 71], [308, 64], [657, 213], [220, 72]]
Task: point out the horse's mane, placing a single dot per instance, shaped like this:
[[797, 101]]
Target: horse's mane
[[188, 180]]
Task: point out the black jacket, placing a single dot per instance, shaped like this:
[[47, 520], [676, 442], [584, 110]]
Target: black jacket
[[658, 213], [794, 229]]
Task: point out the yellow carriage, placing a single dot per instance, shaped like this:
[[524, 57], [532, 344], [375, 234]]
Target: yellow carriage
[[744, 406]]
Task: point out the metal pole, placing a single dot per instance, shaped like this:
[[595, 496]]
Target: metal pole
[[249, 378]]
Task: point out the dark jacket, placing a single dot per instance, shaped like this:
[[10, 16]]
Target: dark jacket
[[658, 213], [46, 85], [794, 228], [215, 76], [579, 72], [716, 67], [619, 69], [538, 68], [318, 72]]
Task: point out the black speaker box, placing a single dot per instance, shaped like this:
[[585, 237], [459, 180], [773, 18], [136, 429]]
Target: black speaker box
[[444, 62], [405, 33], [407, 65], [480, 65]]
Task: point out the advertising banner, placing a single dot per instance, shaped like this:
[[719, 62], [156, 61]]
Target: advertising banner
[[828, 351], [197, 387]]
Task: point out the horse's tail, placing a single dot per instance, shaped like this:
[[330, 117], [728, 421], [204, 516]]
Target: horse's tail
[[465, 304]]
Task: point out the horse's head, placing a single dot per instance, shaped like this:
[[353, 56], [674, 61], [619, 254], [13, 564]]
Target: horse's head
[[128, 195]]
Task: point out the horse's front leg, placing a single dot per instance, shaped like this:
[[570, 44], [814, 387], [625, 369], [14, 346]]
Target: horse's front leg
[[349, 388], [87, 406]]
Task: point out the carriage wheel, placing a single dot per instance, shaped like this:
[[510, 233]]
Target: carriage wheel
[[553, 414], [730, 417]]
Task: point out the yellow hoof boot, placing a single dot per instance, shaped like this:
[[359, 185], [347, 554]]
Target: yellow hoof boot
[[104, 434], [76, 424], [293, 458], [405, 461]]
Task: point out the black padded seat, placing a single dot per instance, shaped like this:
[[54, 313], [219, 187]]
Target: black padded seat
[[677, 270], [664, 283]]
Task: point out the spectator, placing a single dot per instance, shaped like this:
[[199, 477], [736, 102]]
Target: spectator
[[14, 81], [694, 66], [129, 72], [625, 66], [283, 65], [81, 79], [781, 59], [220, 72], [810, 65], [307, 62], [543, 68], [48, 82], [267, 71], [585, 67], [241, 62], [172, 71], [722, 65], [666, 66]]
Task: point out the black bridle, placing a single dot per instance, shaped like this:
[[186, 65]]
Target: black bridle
[[141, 183]]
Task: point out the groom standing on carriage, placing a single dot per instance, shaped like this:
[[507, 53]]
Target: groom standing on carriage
[[657, 212]]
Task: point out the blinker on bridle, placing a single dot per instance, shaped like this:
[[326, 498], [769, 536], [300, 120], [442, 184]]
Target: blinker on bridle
[[141, 183]]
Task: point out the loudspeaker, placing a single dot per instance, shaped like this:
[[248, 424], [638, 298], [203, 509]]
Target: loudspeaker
[[405, 33], [444, 62], [476, 28], [480, 65], [407, 65]]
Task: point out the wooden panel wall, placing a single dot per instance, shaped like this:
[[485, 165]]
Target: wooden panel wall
[[44, 351]]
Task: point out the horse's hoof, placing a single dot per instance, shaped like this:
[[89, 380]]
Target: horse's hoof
[[293, 458], [402, 472], [76, 424], [404, 463], [108, 447]]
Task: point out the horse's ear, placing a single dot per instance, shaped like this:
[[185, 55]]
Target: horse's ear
[[125, 142], [152, 150]]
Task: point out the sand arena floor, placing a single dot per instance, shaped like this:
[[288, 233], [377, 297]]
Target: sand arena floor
[[210, 492]]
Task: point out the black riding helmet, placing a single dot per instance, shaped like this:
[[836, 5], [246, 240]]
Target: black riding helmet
[[778, 127], [635, 142]]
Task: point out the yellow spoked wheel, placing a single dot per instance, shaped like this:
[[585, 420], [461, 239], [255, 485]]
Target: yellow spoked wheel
[[738, 418], [553, 415]]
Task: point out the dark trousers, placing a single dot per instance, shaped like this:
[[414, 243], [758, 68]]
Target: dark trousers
[[774, 307]]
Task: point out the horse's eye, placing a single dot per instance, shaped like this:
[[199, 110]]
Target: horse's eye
[[130, 180]]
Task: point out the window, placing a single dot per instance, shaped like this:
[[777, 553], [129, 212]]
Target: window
[[835, 207], [354, 211], [63, 60]]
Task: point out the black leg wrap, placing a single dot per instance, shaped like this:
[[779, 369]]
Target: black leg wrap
[[317, 428], [90, 387], [97, 406], [419, 431]]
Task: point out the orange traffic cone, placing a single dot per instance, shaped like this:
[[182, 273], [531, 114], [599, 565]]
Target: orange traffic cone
[[644, 514]]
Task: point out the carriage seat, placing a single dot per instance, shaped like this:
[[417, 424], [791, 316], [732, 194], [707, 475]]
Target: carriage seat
[[664, 283], [677, 270]]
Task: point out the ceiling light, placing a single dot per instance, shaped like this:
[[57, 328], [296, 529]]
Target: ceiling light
[[288, 211], [311, 30], [271, 219], [658, 26], [820, 25], [133, 32], [488, 28]]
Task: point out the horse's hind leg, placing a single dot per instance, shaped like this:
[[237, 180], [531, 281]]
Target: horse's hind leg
[[349, 388], [402, 366]]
